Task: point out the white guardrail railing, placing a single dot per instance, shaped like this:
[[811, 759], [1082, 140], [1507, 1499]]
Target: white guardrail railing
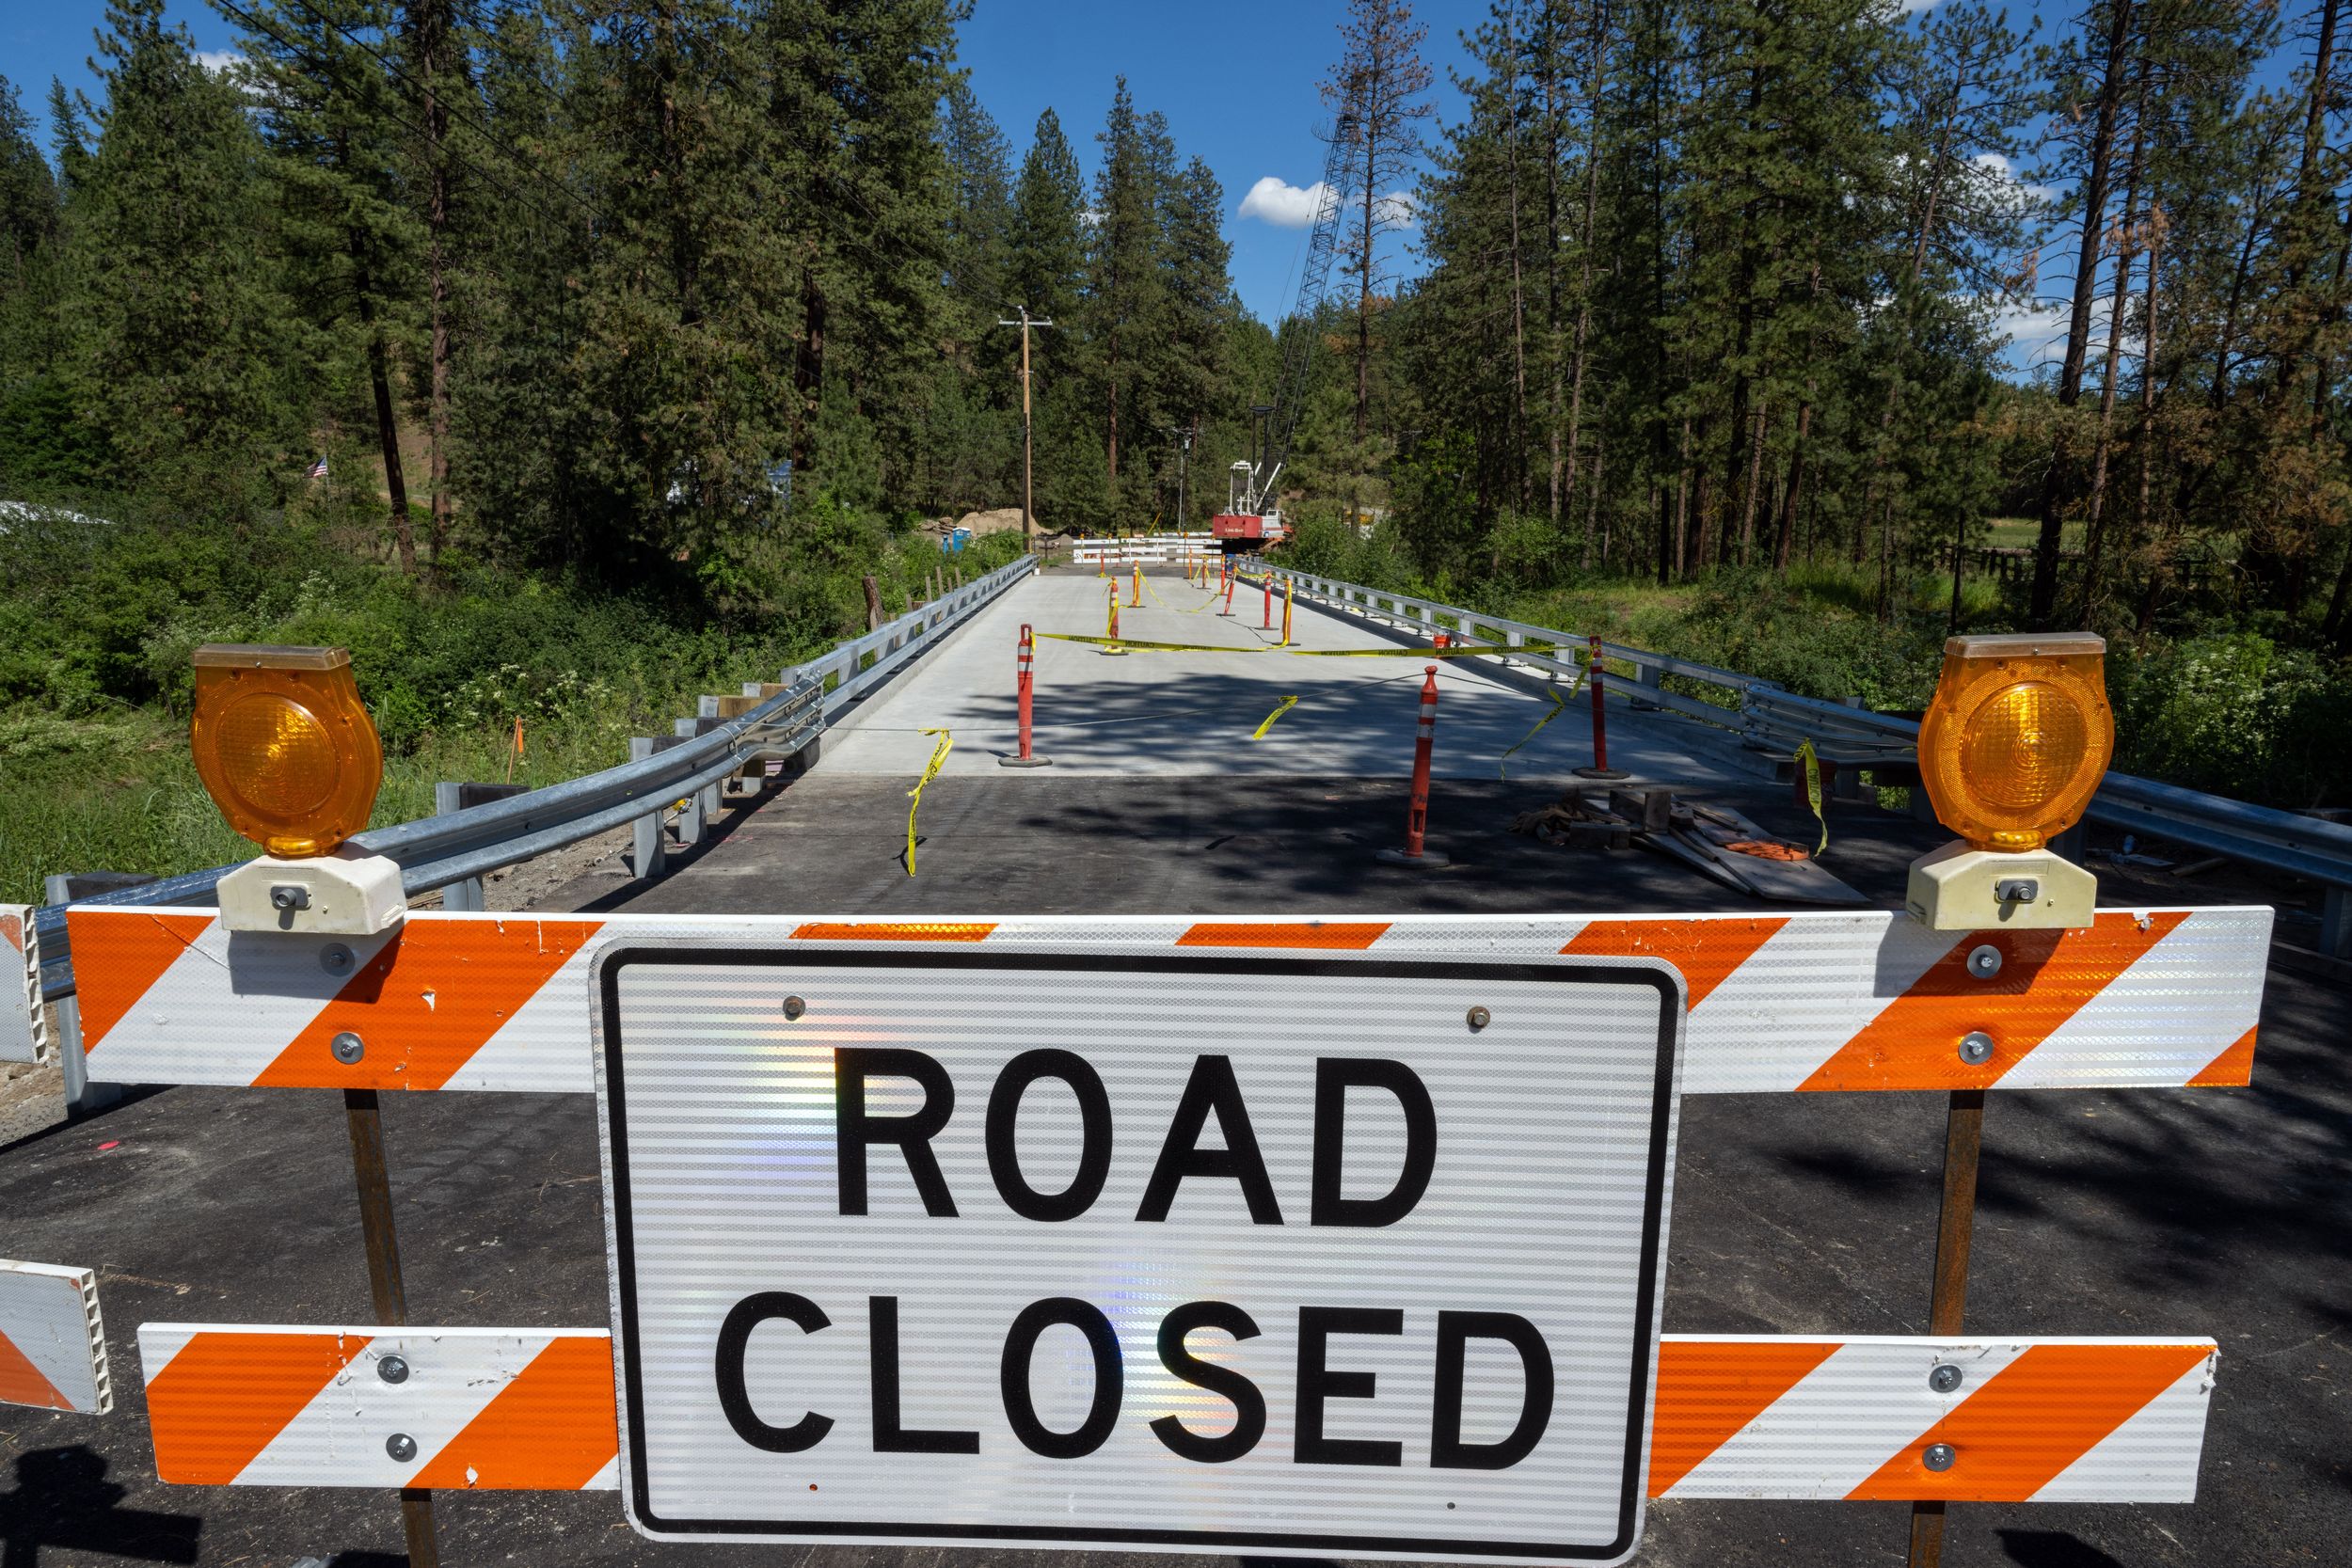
[[453, 849], [1764, 715]]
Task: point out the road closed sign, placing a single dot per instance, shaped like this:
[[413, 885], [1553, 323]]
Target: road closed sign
[[1091, 1245]]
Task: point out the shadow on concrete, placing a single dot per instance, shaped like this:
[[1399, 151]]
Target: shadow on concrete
[[63, 1499]]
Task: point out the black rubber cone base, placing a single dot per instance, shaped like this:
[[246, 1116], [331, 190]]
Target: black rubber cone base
[[1428, 860]]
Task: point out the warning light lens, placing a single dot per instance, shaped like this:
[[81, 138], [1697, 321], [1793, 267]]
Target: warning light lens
[[284, 746], [2018, 737], [2024, 744]]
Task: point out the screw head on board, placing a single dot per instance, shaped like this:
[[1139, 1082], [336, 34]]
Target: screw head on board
[[348, 1047], [1976, 1048], [794, 1006], [1939, 1456], [1945, 1378], [1984, 962], [336, 959], [402, 1447], [1479, 1018], [393, 1368]]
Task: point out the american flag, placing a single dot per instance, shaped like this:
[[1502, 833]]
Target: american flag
[[318, 469]]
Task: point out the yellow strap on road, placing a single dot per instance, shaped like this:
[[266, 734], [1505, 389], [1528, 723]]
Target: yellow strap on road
[[931, 771], [1558, 705], [1280, 708], [1813, 790]]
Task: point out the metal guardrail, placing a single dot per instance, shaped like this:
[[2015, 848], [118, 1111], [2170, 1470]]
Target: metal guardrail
[[1767, 714], [437, 851]]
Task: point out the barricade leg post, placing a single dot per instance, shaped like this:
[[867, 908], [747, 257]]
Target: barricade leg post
[[1025, 681], [1600, 768], [1417, 851], [364, 1119], [1955, 1226]]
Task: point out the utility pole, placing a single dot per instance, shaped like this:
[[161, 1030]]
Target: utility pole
[[1182, 435], [1029, 451]]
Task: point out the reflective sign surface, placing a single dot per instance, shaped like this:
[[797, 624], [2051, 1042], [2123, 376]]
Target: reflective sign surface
[[1210, 1254]]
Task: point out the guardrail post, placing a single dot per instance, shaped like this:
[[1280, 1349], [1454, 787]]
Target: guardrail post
[[693, 819], [648, 846], [2335, 923], [1647, 676], [463, 897]]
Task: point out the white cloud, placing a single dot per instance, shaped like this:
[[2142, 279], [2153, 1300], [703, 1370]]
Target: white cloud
[[1283, 205], [1399, 209], [219, 61], [1999, 167], [1287, 206], [1909, 8]]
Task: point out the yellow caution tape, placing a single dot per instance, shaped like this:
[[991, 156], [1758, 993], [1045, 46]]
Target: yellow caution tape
[[1280, 708], [1490, 650], [931, 771], [1558, 705], [1487, 650], [1813, 790], [1149, 647]]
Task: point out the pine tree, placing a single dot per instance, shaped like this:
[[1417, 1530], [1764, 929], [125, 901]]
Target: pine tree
[[1378, 90], [185, 347]]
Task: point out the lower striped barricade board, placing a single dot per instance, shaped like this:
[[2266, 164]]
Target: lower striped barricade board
[[1974, 1419], [53, 1347], [1822, 1001]]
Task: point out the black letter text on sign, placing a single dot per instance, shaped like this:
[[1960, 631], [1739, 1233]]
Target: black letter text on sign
[[1273, 1258]]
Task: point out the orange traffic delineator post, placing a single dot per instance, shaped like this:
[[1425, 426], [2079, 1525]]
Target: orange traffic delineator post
[[1416, 851], [1600, 768], [1136, 603], [1267, 624], [1114, 627], [1230, 575], [1025, 681]]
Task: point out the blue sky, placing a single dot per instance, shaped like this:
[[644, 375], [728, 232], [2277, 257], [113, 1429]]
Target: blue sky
[[1236, 78]]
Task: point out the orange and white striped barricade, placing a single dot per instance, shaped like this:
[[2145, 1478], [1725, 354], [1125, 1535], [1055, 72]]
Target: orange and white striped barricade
[[53, 1348], [1734, 1417], [23, 1035], [1816, 1002]]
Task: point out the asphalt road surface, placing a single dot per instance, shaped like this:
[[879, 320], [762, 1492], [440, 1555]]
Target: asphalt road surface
[[2199, 1212]]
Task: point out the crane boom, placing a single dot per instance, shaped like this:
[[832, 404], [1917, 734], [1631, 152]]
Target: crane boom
[[1259, 496]]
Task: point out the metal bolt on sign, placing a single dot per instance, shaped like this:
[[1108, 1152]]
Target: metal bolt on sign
[[1976, 1048], [1985, 961], [794, 1006], [1479, 1018], [1939, 1456], [401, 1447], [1945, 1378], [336, 959], [394, 1368], [348, 1047]]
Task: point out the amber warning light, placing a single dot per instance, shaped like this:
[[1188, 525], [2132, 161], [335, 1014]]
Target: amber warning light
[[2011, 752], [284, 746], [288, 752]]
